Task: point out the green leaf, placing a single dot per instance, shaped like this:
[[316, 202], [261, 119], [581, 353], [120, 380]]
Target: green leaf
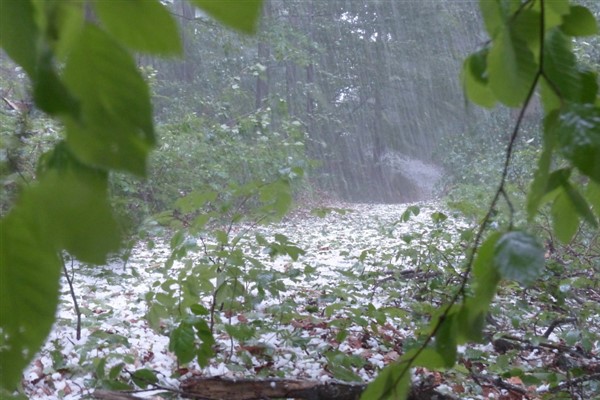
[[181, 342], [560, 66], [144, 25], [445, 340], [166, 300], [116, 385], [200, 222], [560, 7], [579, 22], [580, 204], [67, 209], [476, 88], [7, 395], [589, 86], [100, 369], [221, 237], [438, 217], [115, 371], [565, 220], [19, 33], [554, 11], [593, 195], [471, 321], [428, 358], [321, 212], [29, 283], [542, 174], [20, 38], [239, 14], [336, 357], [240, 332], [409, 212], [49, 91], [205, 351], [343, 373], [526, 26], [276, 198], [392, 383], [550, 99], [518, 256], [144, 377], [195, 200], [492, 17], [199, 309], [485, 276], [496, 13], [511, 68], [474, 76], [485, 281], [76, 215], [155, 315], [115, 129], [65, 19], [578, 133], [557, 179], [177, 240]]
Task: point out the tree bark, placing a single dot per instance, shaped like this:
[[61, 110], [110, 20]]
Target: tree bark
[[247, 389], [290, 86], [186, 68], [264, 55], [217, 388]]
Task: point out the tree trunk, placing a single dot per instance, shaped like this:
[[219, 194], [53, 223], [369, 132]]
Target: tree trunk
[[264, 55], [290, 86], [186, 69]]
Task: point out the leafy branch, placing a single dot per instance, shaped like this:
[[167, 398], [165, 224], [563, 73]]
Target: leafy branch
[[483, 225], [515, 254], [83, 74]]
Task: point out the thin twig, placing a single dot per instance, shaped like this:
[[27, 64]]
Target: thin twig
[[558, 322], [72, 290], [497, 381], [572, 382], [551, 346]]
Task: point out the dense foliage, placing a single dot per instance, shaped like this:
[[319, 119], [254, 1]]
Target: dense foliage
[[365, 86], [530, 49], [242, 143], [83, 73]]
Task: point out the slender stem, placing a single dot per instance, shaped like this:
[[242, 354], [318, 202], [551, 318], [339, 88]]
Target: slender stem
[[510, 208], [72, 290]]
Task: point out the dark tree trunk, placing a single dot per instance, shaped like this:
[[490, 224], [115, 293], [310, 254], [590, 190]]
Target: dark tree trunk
[[186, 70], [290, 86], [264, 55]]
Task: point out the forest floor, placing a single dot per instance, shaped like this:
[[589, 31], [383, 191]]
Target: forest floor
[[362, 294]]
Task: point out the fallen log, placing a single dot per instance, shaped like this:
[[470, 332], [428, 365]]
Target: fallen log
[[217, 388], [249, 389]]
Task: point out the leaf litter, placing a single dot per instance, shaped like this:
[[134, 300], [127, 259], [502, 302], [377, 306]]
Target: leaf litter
[[363, 293]]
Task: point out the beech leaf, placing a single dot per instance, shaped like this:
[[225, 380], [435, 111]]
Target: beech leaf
[[519, 256]]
